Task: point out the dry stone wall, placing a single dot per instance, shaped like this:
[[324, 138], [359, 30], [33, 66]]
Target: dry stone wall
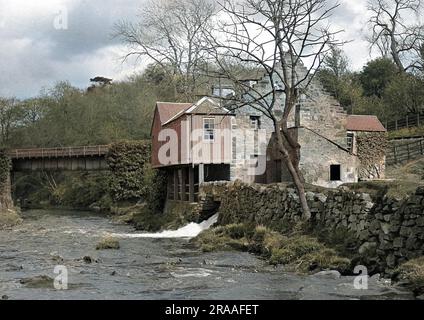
[[386, 231]]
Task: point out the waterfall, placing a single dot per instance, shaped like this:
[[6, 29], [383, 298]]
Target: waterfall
[[189, 231]]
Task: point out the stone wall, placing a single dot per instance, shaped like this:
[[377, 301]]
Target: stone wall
[[385, 231]]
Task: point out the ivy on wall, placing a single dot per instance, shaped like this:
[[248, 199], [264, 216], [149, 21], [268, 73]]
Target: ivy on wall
[[5, 167], [127, 161], [371, 150]]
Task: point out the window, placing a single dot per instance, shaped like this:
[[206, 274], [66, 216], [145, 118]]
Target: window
[[233, 123], [209, 129], [234, 149], [335, 172], [349, 141], [254, 122]]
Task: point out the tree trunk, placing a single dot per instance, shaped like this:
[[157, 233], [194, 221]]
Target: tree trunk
[[395, 53], [287, 155]]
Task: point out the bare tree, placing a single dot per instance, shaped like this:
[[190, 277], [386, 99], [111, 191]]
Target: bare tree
[[275, 37], [391, 33], [336, 62], [169, 35], [10, 116]]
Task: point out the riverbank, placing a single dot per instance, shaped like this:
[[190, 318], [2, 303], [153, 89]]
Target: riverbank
[[296, 252], [150, 268], [9, 218]]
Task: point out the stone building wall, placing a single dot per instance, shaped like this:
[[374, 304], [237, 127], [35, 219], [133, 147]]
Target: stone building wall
[[318, 154], [248, 143], [320, 112], [386, 231]]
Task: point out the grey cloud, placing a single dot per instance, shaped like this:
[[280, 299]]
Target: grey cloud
[[34, 54]]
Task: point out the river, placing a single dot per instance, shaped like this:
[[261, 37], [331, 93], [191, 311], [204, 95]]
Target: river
[[149, 267]]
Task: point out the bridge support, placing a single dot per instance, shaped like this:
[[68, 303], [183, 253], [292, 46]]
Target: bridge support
[[6, 202]]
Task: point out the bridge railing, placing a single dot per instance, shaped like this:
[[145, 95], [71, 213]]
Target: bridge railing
[[83, 151]]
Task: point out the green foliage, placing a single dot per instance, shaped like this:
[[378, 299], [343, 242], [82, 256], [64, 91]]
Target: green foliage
[[405, 94], [126, 161], [67, 116], [376, 76], [5, 167], [84, 189], [155, 187], [407, 132], [70, 189]]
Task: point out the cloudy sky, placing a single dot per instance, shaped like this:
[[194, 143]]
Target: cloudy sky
[[37, 50]]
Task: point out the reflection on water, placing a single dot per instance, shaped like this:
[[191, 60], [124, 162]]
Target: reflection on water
[[148, 266]]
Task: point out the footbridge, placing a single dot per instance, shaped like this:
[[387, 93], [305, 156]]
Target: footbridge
[[60, 159]]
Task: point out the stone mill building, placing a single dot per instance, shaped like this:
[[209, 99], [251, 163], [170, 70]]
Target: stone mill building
[[208, 141]]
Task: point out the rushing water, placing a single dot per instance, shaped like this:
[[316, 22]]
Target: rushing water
[[149, 266]]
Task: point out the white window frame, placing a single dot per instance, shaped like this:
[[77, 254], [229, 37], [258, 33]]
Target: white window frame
[[208, 130], [254, 122]]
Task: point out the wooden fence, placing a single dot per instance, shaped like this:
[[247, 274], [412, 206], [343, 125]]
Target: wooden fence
[[405, 152], [410, 121]]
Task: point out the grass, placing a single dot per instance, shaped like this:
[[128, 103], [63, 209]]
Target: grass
[[412, 272], [393, 189], [9, 218], [411, 171], [411, 132], [108, 242], [299, 253]]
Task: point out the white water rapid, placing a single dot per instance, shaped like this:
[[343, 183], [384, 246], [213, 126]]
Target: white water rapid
[[189, 231]]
